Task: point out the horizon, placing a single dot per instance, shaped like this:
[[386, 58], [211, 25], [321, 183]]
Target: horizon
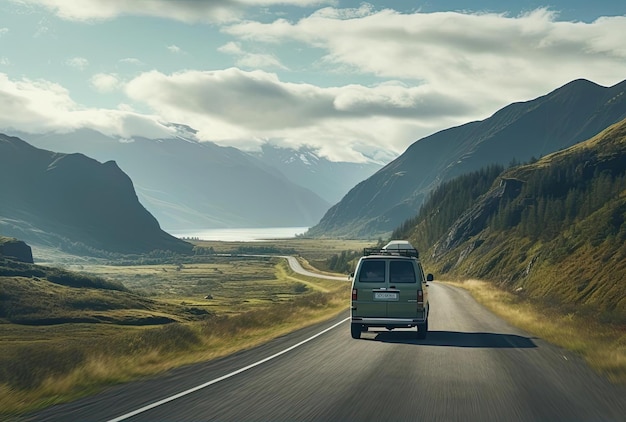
[[238, 234]]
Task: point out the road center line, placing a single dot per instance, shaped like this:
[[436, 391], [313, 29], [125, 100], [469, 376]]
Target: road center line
[[216, 380]]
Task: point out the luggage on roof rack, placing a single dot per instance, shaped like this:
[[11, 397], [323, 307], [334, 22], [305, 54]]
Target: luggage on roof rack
[[395, 247]]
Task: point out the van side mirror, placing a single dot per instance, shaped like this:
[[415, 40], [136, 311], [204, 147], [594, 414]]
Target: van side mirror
[[430, 277], [350, 276]]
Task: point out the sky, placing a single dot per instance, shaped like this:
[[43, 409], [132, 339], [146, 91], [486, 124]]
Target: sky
[[355, 81]]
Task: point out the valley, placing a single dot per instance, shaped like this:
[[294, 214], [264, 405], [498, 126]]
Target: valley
[[80, 340]]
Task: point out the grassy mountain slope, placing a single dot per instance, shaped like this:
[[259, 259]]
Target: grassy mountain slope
[[518, 132], [553, 231]]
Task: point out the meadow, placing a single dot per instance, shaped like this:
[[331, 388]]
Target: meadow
[[172, 314], [178, 313]]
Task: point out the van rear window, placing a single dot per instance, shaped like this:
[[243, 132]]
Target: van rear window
[[372, 271], [401, 272]]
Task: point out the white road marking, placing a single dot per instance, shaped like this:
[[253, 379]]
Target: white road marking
[[216, 380]]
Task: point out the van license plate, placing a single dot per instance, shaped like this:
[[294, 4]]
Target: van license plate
[[385, 296]]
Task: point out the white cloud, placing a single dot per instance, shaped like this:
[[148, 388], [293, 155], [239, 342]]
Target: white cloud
[[39, 106], [231, 48], [259, 61], [132, 60], [190, 11], [246, 108], [105, 82], [174, 49], [251, 60], [79, 63], [3, 31], [42, 30], [490, 58]]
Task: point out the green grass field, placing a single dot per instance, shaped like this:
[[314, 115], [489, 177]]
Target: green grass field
[[74, 341]]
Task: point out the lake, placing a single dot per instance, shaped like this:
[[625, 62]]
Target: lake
[[241, 234]]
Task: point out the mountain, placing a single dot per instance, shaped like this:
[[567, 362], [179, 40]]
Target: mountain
[[187, 184], [329, 179], [518, 132], [71, 200], [553, 231]]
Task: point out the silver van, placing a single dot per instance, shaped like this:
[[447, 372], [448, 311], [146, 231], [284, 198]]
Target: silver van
[[389, 290]]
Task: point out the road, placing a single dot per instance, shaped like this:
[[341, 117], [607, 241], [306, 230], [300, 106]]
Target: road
[[295, 265], [472, 367]]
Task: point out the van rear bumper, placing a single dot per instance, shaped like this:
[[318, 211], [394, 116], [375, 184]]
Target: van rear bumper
[[388, 322]]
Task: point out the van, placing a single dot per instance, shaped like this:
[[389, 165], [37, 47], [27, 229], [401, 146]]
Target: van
[[389, 290]]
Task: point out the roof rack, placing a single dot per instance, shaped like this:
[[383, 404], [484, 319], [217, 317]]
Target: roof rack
[[391, 252]]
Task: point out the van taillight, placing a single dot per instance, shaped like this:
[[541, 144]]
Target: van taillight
[[420, 297], [354, 294]]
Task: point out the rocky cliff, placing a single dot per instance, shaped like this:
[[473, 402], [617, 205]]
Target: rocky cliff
[[15, 249]]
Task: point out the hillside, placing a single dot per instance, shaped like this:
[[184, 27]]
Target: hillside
[[196, 185], [553, 231], [518, 132], [75, 203], [40, 295]]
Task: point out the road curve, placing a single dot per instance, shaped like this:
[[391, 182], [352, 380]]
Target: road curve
[[472, 367], [296, 267]]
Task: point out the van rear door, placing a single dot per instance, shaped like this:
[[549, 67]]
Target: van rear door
[[404, 280], [372, 294]]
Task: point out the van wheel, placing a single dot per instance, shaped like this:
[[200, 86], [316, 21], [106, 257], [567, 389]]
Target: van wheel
[[422, 330], [355, 330]]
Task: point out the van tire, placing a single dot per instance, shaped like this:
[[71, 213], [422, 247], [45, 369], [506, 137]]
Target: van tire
[[355, 330], [422, 330]]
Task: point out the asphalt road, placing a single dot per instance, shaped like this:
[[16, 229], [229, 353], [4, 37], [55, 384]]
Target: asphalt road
[[295, 265], [472, 367]]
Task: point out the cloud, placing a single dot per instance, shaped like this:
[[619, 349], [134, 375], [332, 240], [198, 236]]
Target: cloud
[[79, 63], [132, 60], [251, 60], [492, 58], [190, 11], [233, 106], [3, 31], [174, 49], [231, 48], [105, 82], [39, 106]]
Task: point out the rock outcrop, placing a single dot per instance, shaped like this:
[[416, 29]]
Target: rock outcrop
[[15, 249], [474, 220]]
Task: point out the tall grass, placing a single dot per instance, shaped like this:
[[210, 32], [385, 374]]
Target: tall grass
[[36, 374]]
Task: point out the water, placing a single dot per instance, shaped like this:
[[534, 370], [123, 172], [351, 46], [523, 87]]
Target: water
[[241, 234]]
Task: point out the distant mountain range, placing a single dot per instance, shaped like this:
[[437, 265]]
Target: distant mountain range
[[75, 203], [329, 179], [516, 133], [187, 184]]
